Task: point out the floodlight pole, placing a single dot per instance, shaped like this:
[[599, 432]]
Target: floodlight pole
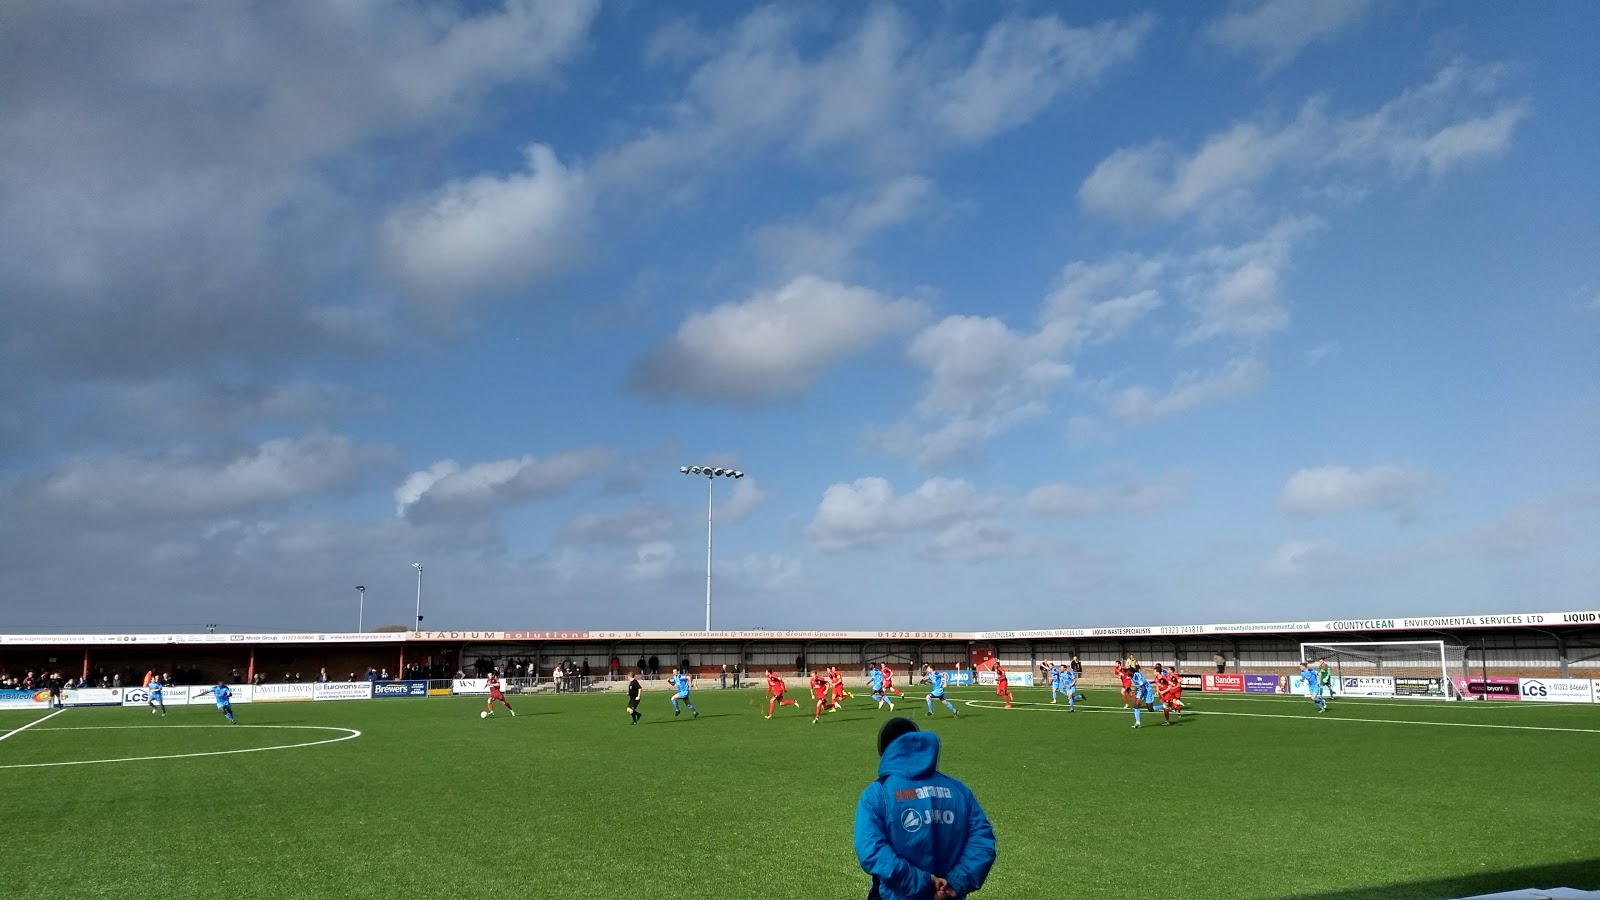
[[711, 474], [709, 482], [361, 609], [418, 567]]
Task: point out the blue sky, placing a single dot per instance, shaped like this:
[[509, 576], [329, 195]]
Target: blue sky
[[1017, 315]]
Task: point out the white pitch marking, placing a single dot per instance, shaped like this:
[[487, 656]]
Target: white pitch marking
[[31, 724], [349, 733], [996, 704]]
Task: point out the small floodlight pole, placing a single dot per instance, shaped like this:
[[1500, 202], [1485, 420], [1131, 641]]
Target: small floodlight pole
[[418, 567], [361, 608], [711, 474]]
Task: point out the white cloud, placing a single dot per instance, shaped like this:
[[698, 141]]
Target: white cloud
[[1330, 489], [985, 377], [1323, 351], [181, 484], [1191, 389], [1452, 120], [867, 512], [488, 233], [1277, 30], [775, 345], [768, 571], [745, 498], [448, 487], [1127, 495], [1299, 558], [826, 240], [979, 540], [643, 522], [652, 561], [1235, 291], [1024, 64], [191, 181], [884, 92]]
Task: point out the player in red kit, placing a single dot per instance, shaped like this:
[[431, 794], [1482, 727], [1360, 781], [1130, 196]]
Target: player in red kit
[[1002, 685], [820, 689], [775, 689], [888, 680], [1170, 687], [498, 695], [836, 677], [1125, 673]]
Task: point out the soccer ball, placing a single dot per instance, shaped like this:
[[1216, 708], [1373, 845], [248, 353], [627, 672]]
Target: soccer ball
[[483, 715]]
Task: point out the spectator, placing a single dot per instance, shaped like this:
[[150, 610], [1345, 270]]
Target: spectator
[[1077, 667], [322, 676], [616, 667], [683, 665], [947, 854], [1221, 661], [641, 668], [738, 669], [724, 676], [655, 666]]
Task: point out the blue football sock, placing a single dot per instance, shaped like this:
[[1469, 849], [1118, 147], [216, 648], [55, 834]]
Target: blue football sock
[[1136, 715], [691, 707], [951, 705], [930, 706]]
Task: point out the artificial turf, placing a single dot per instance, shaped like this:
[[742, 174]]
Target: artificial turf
[[1244, 798]]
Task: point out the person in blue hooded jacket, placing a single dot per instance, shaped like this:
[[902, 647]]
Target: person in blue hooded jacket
[[920, 834]]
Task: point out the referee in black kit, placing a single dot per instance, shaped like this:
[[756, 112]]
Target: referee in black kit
[[634, 690]]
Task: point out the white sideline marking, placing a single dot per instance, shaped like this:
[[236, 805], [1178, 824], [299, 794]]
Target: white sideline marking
[[1047, 707], [349, 733], [31, 724]]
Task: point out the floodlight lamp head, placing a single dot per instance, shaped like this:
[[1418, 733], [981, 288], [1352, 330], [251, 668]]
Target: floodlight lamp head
[[717, 471], [417, 566], [683, 469], [695, 469], [738, 474]]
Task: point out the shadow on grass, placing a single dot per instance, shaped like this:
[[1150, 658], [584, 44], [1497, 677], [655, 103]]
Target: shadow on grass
[[1583, 875]]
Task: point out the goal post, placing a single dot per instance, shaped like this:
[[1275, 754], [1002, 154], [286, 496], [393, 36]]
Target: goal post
[[1420, 670]]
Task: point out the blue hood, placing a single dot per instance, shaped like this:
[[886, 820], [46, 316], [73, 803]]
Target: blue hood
[[912, 755]]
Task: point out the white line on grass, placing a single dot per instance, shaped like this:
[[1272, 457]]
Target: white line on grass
[[1046, 707], [31, 724], [1428, 703], [349, 733]]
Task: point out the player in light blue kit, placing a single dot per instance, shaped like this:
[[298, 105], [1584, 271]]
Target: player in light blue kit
[[156, 698], [1066, 682], [1144, 694], [680, 683], [1314, 686], [224, 697], [936, 682], [875, 676]]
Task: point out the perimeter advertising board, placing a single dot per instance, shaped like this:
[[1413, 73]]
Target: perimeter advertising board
[[342, 690], [92, 697], [385, 690], [1266, 684], [469, 686], [1192, 681], [1225, 682], [1478, 688], [24, 699], [275, 693], [1365, 686], [1556, 690], [171, 695], [242, 693], [1419, 686], [957, 677], [1018, 679]]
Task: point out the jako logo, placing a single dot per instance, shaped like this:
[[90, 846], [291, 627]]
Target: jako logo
[[911, 821]]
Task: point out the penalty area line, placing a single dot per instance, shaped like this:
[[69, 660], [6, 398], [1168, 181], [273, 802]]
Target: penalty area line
[[16, 731], [994, 704]]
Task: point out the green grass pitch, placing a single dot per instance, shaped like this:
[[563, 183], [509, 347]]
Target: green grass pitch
[[1244, 798]]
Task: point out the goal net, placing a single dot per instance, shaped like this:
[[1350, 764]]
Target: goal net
[[1414, 669]]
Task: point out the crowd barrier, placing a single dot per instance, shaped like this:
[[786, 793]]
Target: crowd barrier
[[1535, 690]]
